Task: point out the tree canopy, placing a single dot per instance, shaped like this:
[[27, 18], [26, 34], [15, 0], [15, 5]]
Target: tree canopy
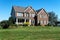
[[52, 18]]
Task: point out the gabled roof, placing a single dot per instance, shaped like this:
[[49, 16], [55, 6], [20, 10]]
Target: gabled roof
[[22, 9], [28, 9], [19, 9], [40, 10]]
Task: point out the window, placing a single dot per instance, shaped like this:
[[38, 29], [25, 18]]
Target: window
[[27, 20], [33, 15], [38, 21], [44, 21], [20, 20], [41, 22], [30, 15], [42, 16], [19, 14], [27, 14], [33, 21]]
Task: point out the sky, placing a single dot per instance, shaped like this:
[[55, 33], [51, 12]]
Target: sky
[[48, 5]]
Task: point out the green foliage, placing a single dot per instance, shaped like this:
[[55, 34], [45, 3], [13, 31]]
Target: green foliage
[[4, 24], [7, 23], [11, 20], [13, 26], [52, 18], [26, 23]]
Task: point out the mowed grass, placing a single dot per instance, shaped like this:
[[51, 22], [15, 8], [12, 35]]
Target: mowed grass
[[30, 33]]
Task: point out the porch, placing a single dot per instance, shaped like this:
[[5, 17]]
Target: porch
[[22, 21]]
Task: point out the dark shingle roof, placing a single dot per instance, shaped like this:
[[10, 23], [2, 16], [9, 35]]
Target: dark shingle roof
[[39, 10], [19, 9]]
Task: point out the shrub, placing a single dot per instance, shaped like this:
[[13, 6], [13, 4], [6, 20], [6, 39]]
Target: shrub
[[13, 26], [11, 20], [26, 24], [4, 24]]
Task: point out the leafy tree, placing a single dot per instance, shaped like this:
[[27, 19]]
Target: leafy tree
[[36, 20], [52, 18], [11, 20]]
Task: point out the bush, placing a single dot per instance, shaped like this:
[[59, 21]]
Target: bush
[[4, 24], [26, 24], [13, 26], [11, 20]]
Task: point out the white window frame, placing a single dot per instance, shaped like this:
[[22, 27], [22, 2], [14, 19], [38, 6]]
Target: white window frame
[[25, 14], [19, 14], [44, 21], [41, 22], [30, 15], [33, 15], [40, 16]]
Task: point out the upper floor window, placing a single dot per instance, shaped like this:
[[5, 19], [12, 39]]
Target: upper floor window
[[44, 21], [19, 14], [41, 22], [33, 15], [42, 16], [27, 14]]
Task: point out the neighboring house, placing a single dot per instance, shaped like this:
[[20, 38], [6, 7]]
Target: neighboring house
[[27, 14]]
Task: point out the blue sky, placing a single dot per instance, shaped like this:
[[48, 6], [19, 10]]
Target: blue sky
[[48, 5]]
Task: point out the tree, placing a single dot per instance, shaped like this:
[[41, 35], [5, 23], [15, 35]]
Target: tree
[[35, 18], [52, 18], [11, 20]]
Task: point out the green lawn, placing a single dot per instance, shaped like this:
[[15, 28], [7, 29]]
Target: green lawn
[[30, 33]]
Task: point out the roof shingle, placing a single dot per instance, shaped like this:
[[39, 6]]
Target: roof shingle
[[19, 9]]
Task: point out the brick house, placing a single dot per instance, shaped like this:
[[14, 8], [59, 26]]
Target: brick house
[[27, 14]]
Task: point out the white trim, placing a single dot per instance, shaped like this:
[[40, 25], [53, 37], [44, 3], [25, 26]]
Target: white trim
[[27, 8], [38, 21], [30, 10], [41, 22], [20, 23], [33, 15], [25, 20], [44, 21], [40, 11], [29, 14], [47, 22], [24, 14], [19, 14], [16, 20], [30, 21]]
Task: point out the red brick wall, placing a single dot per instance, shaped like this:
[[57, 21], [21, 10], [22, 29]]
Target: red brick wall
[[44, 18]]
